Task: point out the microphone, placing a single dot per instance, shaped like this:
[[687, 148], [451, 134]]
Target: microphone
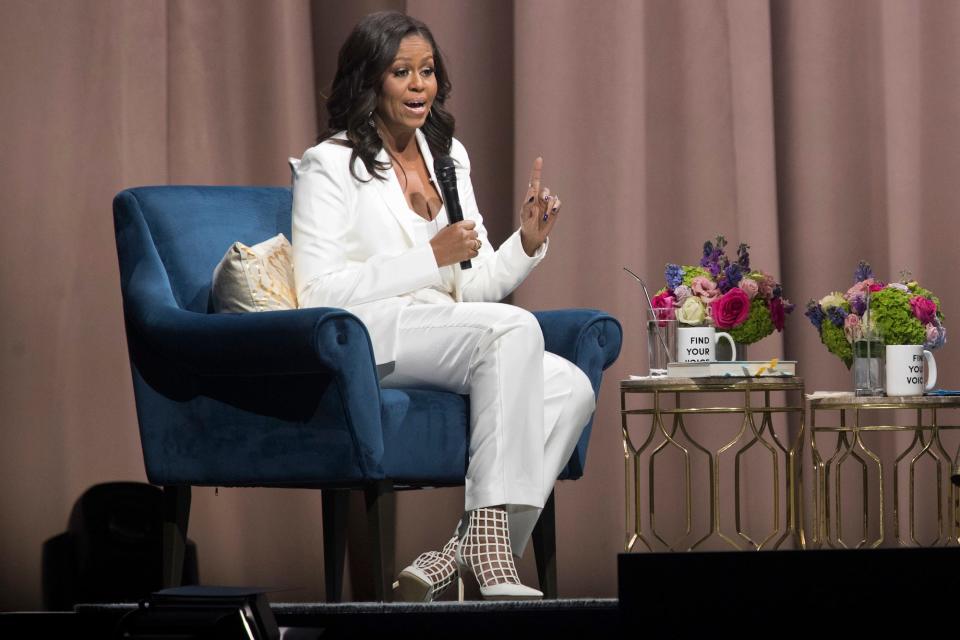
[[447, 177]]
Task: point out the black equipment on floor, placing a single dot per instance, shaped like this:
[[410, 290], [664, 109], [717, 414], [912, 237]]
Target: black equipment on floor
[[112, 548]]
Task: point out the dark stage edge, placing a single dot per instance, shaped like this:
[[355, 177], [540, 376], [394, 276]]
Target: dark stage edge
[[474, 619]]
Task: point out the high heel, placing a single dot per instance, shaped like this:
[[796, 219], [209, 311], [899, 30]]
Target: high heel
[[484, 551], [429, 576]]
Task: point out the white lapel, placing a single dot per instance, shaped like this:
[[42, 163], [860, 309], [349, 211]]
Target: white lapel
[[392, 194]]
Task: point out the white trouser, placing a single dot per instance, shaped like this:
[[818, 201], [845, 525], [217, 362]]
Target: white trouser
[[527, 407]]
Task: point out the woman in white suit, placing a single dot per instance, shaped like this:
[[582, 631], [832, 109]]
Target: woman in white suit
[[370, 234]]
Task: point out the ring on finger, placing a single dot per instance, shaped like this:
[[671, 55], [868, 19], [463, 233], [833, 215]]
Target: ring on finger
[[479, 244]]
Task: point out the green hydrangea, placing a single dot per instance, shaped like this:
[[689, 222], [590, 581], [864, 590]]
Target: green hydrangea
[[836, 342], [757, 325], [689, 273], [890, 311]]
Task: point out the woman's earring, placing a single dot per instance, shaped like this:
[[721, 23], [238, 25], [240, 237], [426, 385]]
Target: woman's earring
[[370, 120]]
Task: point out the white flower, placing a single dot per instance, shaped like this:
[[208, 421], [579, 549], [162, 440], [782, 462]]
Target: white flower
[[692, 311], [834, 299]]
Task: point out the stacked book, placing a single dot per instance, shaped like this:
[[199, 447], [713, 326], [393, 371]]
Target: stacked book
[[733, 369]]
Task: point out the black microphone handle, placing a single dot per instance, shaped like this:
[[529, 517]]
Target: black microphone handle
[[454, 212], [447, 177]]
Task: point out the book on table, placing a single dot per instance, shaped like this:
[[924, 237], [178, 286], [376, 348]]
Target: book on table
[[733, 369]]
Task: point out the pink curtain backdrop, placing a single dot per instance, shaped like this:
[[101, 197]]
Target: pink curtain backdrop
[[819, 132]]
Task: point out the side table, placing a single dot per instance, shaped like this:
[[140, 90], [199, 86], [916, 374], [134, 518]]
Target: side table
[[926, 446], [672, 399]]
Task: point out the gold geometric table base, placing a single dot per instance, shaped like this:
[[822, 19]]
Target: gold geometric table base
[[852, 449], [755, 436]]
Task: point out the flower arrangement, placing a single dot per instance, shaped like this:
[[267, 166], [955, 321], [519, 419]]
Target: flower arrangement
[[729, 295], [895, 313]]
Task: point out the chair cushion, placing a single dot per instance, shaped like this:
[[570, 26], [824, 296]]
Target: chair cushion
[[257, 278]]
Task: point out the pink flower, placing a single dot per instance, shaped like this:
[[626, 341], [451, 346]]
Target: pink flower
[[765, 285], [860, 289], [876, 287], [663, 304], [704, 288], [750, 287], [731, 309], [852, 327], [924, 309]]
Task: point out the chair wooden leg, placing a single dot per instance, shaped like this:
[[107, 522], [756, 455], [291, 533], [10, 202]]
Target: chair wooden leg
[[545, 548], [334, 540], [381, 524], [176, 516]]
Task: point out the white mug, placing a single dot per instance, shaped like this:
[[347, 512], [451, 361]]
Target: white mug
[[698, 344], [904, 369]]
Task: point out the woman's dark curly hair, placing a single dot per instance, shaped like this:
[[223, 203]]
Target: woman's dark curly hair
[[364, 58]]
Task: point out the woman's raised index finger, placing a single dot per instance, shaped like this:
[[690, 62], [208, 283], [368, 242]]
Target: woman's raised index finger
[[533, 188]]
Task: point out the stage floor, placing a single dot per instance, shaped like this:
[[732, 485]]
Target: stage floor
[[489, 620]]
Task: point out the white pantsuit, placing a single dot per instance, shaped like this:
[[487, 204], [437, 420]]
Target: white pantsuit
[[527, 407], [357, 245]]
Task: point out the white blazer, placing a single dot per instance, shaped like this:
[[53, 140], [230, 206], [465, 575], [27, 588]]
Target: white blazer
[[353, 243]]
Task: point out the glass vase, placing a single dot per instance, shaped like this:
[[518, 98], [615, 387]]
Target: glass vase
[[868, 359], [661, 340]]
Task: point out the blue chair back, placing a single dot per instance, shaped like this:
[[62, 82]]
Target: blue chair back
[[192, 228]]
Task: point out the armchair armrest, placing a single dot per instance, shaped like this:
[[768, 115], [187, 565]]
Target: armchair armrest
[[576, 333], [317, 340], [279, 343]]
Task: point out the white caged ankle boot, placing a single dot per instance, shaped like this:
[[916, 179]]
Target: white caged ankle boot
[[484, 551], [429, 575]]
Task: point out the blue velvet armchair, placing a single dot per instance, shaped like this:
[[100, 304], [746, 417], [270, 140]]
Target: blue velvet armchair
[[288, 398]]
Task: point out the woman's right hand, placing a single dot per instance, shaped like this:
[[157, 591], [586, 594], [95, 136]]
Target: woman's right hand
[[455, 243]]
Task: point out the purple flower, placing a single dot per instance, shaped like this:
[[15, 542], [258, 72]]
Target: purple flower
[[777, 290], [734, 274], [815, 313], [723, 284], [858, 304], [708, 256], [714, 256], [674, 276], [837, 316], [864, 272], [743, 256]]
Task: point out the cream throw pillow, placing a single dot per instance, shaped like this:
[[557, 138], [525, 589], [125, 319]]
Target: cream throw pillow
[[257, 278]]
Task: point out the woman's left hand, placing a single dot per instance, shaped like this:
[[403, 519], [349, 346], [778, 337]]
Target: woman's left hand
[[538, 213]]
